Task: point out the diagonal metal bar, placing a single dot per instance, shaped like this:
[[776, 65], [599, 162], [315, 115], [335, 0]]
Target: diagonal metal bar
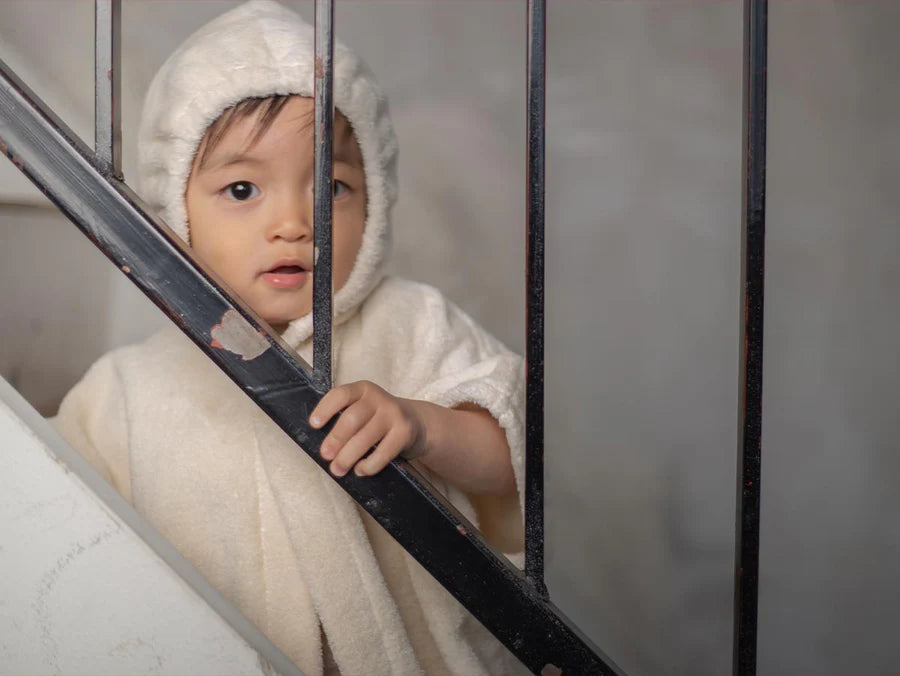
[[534, 356], [429, 528], [323, 287], [746, 584], [107, 85]]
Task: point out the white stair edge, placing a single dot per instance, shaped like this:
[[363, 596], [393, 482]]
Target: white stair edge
[[87, 585]]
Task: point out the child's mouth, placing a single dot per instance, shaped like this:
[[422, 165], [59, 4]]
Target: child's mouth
[[285, 276]]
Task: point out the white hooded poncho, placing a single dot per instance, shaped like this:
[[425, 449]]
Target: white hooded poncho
[[191, 452]]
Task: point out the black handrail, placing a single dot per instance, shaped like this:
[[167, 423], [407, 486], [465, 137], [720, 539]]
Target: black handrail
[[87, 187], [280, 383]]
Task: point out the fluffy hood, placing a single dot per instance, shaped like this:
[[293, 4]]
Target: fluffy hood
[[260, 49]]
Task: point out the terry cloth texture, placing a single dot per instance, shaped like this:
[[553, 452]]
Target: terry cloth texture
[[266, 525], [262, 49], [270, 529]]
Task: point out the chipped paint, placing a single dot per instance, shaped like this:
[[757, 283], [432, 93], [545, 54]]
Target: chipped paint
[[461, 530], [551, 670], [126, 269], [236, 335], [320, 67], [13, 158]]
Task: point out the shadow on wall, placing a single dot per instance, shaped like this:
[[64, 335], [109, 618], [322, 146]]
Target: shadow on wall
[[50, 330], [56, 303]]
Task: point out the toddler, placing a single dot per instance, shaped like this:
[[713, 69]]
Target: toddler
[[226, 157]]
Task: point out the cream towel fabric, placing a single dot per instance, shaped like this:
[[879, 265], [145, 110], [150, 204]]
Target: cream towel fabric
[[269, 528], [180, 441]]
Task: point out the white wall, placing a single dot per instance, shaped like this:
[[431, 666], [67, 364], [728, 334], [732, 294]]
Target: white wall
[[643, 217], [88, 587]]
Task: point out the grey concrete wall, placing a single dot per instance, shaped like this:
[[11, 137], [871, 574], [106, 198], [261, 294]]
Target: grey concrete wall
[[643, 215]]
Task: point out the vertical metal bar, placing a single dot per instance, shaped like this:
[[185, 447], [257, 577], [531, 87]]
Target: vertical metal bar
[[107, 86], [534, 397], [275, 378], [324, 195], [751, 368]]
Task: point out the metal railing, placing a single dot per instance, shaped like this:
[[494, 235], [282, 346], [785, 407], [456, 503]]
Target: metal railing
[[534, 290], [323, 284], [753, 241], [89, 189]]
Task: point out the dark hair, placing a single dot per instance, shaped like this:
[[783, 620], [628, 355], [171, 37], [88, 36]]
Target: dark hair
[[265, 108]]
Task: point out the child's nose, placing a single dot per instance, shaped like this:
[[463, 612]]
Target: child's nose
[[292, 218]]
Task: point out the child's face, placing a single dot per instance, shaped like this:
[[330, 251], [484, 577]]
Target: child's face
[[250, 210]]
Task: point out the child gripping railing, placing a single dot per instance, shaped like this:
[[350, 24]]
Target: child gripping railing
[[89, 188]]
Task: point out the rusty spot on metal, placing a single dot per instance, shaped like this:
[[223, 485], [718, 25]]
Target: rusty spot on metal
[[126, 269], [236, 335], [551, 670], [320, 67]]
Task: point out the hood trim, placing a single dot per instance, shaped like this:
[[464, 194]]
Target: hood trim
[[261, 49]]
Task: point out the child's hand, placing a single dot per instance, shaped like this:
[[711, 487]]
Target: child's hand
[[465, 445], [370, 416]]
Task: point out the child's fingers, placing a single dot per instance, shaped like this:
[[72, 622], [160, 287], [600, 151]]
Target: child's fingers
[[352, 420], [357, 447], [335, 400], [388, 449]]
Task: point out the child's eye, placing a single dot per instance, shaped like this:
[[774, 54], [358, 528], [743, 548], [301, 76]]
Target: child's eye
[[340, 188], [241, 191]]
